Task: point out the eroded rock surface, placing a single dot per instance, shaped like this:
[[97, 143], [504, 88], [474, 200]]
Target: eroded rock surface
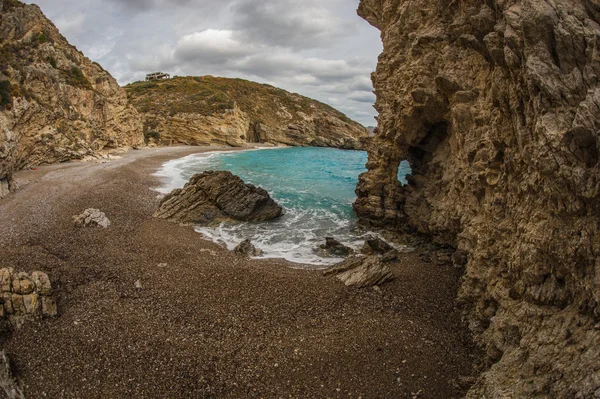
[[215, 196], [8, 383], [333, 248], [361, 271], [91, 217], [246, 248], [496, 106], [56, 104], [25, 296]]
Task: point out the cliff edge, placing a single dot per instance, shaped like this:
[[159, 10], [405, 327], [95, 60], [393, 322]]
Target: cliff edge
[[497, 108], [55, 104], [211, 110]]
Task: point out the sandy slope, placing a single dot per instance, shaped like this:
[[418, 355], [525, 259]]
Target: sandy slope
[[209, 324]]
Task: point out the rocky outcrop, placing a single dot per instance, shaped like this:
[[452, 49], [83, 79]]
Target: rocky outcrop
[[25, 297], [361, 272], [246, 248], [8, 383], [333, 248], [210, 110], [91, 217], [496, 106], [375, 246], [216, 196], [55, 104]]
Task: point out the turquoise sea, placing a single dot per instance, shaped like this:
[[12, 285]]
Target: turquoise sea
[[314, 185]]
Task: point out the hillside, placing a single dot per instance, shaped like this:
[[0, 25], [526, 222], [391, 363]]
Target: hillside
[[212, 110], [55, 104]]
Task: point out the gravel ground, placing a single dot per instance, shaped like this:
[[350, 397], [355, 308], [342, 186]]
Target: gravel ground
[[207, 323]]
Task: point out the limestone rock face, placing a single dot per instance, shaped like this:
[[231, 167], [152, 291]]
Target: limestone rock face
[[361, 272], [496, 105], [25, 297], [220, 111], [215, 196], [57, 104]]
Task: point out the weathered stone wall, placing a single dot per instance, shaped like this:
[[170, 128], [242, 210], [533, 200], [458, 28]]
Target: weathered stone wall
[[62, 105], [496, 105]]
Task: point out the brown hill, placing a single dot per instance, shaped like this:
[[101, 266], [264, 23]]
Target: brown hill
[[212, 110]]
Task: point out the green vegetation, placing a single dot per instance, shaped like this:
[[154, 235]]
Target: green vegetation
[[6, 90], [76, 78], [155, 136], [39, 38], [52, 61], [209, 95]]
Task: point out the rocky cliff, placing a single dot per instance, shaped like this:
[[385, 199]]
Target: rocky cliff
[[55, 104], [210, 110], [496, 105]]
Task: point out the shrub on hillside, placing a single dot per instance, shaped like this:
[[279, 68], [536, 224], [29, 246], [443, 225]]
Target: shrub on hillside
[[153, 135], [5, 94], [76, 78]]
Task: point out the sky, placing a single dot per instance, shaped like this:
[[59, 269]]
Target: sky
[[318, 48]]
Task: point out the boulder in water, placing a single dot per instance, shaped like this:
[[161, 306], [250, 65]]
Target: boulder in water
[[246, 248], [215, 196], [334, 248], [361, 271]]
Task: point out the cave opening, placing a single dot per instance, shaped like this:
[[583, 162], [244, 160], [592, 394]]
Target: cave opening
[[420, 155]]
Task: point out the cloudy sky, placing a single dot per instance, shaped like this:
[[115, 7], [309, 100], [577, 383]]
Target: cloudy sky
[[318, 48]]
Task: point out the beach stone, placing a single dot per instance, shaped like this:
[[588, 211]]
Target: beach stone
[[333, 248], [25, 297], [361, 271], [212, 197], [91, 217], [246, 248], [375, 246]]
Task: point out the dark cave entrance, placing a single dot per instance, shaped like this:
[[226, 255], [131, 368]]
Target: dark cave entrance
[[421, 155]]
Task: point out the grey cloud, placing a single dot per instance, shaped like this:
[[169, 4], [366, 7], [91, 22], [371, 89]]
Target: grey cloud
[[307, 47], [288, 23], [363, 97]]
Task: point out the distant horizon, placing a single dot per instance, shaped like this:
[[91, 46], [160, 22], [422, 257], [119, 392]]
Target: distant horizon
[[319, 49]]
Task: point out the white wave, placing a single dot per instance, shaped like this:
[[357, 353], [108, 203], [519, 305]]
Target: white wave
[[294, 237], [173, 172]]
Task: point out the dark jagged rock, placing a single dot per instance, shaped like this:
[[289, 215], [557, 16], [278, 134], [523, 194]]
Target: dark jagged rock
[[361, 271], [215, 196], [246, 248], [334, 248], [496, 106], [375, 246]]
